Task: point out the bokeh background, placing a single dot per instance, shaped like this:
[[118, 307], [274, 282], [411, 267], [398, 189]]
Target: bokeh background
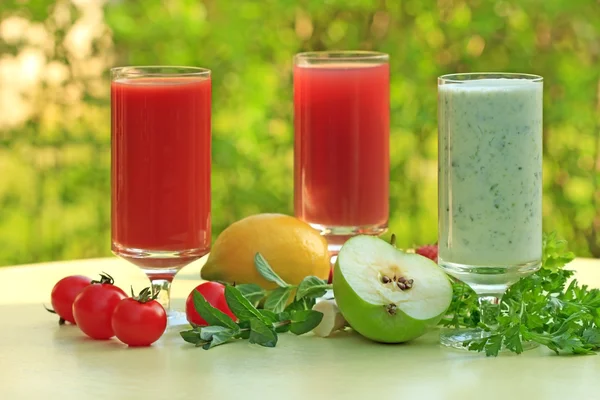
[[55, 117]]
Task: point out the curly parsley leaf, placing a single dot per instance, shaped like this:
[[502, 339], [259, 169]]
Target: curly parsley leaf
[[547, 307]]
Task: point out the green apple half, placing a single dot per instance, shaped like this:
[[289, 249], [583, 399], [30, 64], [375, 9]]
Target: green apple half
[[386, 294]]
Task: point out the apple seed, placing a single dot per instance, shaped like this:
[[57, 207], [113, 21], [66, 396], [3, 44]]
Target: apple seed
[[385, 279], [390, 308], [404, 283]]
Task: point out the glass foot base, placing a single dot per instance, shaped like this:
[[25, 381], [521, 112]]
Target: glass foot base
[[489, 278], [157, 262], [176, 319], [457, 337]]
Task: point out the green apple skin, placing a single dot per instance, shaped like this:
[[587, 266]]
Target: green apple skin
[[373, 321]]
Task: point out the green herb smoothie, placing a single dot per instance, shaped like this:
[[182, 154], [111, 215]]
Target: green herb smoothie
[[490, 172]]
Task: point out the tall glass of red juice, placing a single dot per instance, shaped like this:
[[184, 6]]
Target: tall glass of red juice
[[161, 158], [341, 149]]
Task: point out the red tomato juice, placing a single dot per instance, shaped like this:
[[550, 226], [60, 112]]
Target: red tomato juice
[[161, 162], [341, 171]]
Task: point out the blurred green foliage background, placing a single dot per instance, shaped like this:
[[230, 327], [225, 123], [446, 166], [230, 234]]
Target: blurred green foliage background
[[55, 117]]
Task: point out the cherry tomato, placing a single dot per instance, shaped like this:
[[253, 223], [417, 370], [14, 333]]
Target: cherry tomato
[[94, 306], [139, 321], [64, 293], [214, 293]]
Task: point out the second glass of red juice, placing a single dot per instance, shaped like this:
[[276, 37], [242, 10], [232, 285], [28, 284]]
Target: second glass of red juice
[[161, 164], [341, 148]]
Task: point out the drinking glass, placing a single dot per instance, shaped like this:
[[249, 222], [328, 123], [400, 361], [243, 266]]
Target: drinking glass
[[161, 162], [490, 185], [341, 143]]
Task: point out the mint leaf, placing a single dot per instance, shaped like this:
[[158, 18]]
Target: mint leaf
[[265, 270], [282, 323], [191, 336], [208, 337], [240, 306], [244, 329], [305, 321], [262, 334], [270, 316], [306, 303], [210, 314], [277, 299], [312, 286], [283, 316], [207, 332], [218, 339], [252, 292]]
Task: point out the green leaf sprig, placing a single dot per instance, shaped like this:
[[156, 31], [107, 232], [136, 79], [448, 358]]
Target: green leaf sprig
[[260, 326], [278, 299], [543, 308]]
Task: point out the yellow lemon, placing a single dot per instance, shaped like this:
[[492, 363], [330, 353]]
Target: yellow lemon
[[292, 248]]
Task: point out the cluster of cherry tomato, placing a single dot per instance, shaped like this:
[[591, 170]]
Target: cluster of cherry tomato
[[102, 310]]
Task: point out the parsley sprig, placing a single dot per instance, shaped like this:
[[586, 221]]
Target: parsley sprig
[[548, 307], [286, 308]]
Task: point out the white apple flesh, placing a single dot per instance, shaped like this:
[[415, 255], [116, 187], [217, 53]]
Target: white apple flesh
[[388, 295]]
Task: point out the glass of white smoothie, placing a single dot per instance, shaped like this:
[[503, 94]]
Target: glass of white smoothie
[[489, 185]]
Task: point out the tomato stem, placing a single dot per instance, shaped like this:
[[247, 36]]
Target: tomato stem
[[61, 321], [50, 310], [104, 279], [146, 295]]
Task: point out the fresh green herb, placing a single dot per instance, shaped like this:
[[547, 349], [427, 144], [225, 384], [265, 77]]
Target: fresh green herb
[[267, 272], [305, 321], [210, 314], [216, 335], [257, 326], [300, 305], [464, 309], [252, 292], [262, 334], [542, 308], [311, 286], [240, 306], [209, 336], [270, 316], [244, 329], [278, 298]]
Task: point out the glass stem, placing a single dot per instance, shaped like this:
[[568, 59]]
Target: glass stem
[[164, 296], [489, 306]]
